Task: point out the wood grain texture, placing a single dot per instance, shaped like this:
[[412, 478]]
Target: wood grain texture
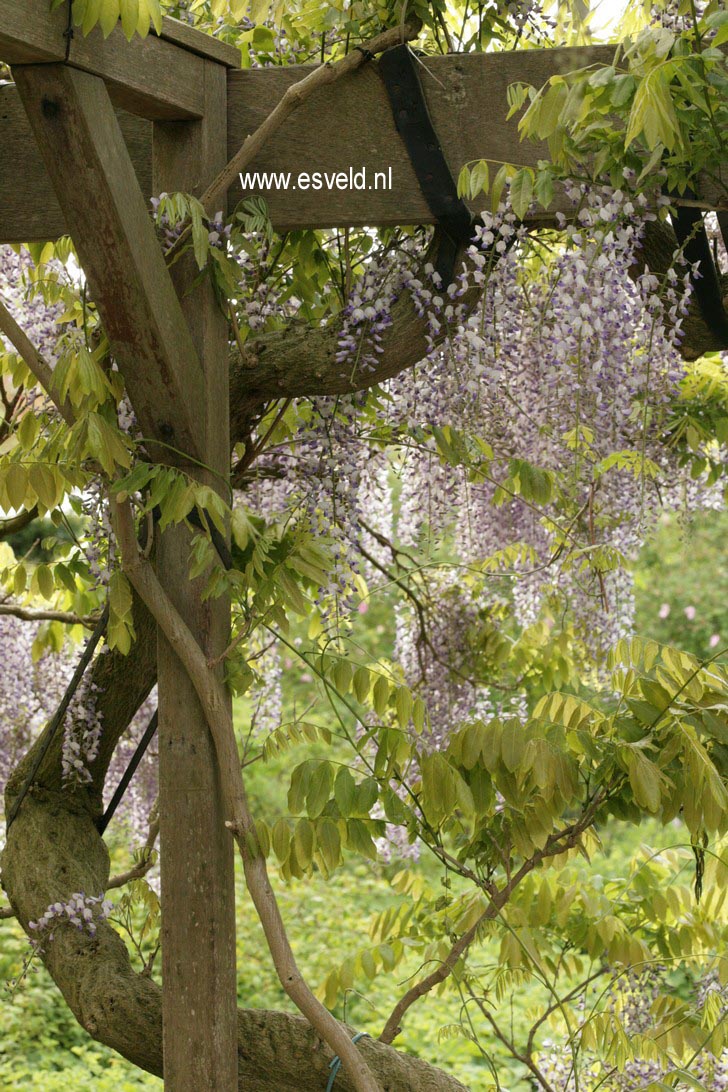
[[198, 889], [29, 209], [346, 125], [350, 125], [181, 34], [155, 77], [86, 158]]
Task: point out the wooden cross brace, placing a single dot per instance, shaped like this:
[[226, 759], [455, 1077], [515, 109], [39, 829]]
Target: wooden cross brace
[[86, 158]]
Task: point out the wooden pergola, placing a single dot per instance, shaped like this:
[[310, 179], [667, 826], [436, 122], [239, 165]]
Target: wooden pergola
[[89, 130]]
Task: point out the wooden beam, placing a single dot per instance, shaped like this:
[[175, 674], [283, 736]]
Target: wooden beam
[[86, 158], [198, 882], [182, 34], [342, 127], [157, 77], [349, 126]]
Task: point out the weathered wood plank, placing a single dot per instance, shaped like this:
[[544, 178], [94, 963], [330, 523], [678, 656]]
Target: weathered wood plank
[[29, 209], [198, 890], [86, 158], [155, 77], [349, 126], [181, 34], [346, 126]]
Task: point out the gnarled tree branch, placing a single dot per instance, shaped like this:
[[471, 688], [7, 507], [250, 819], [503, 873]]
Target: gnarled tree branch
[[36, 364], [9, 527], [123, 683], [556, 843], [31, 614], [53, 849], [300, 361]]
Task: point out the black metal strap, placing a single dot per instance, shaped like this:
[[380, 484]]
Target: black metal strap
[[68, 32], [85, 659], [103, 822], [218, 541], [398, 70], [723, 225], [692, 237], [226, 558]]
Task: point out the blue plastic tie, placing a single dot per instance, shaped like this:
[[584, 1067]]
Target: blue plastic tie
[[335, 1063]]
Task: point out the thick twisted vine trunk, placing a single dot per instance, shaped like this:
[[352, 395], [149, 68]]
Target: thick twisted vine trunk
[[53, 849], [123, 683], [300, 361]]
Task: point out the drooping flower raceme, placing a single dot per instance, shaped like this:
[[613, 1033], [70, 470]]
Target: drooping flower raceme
[[529, 440], [560, 382], [82, 911]]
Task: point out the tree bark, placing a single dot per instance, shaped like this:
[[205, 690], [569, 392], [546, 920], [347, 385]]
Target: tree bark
[[123, 684], [300, 361], [53, 850]]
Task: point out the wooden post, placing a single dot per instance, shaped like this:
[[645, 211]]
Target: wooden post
[[198, 938], [173, 356]]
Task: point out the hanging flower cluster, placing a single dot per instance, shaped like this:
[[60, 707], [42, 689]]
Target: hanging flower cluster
[[570, 372], [82, 911], [631, 997], [29, 691], [536, 421], [266, 693], [99, 542], [82, 734], [368, 312], [135, 808], [560, 382], [37, 317]]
